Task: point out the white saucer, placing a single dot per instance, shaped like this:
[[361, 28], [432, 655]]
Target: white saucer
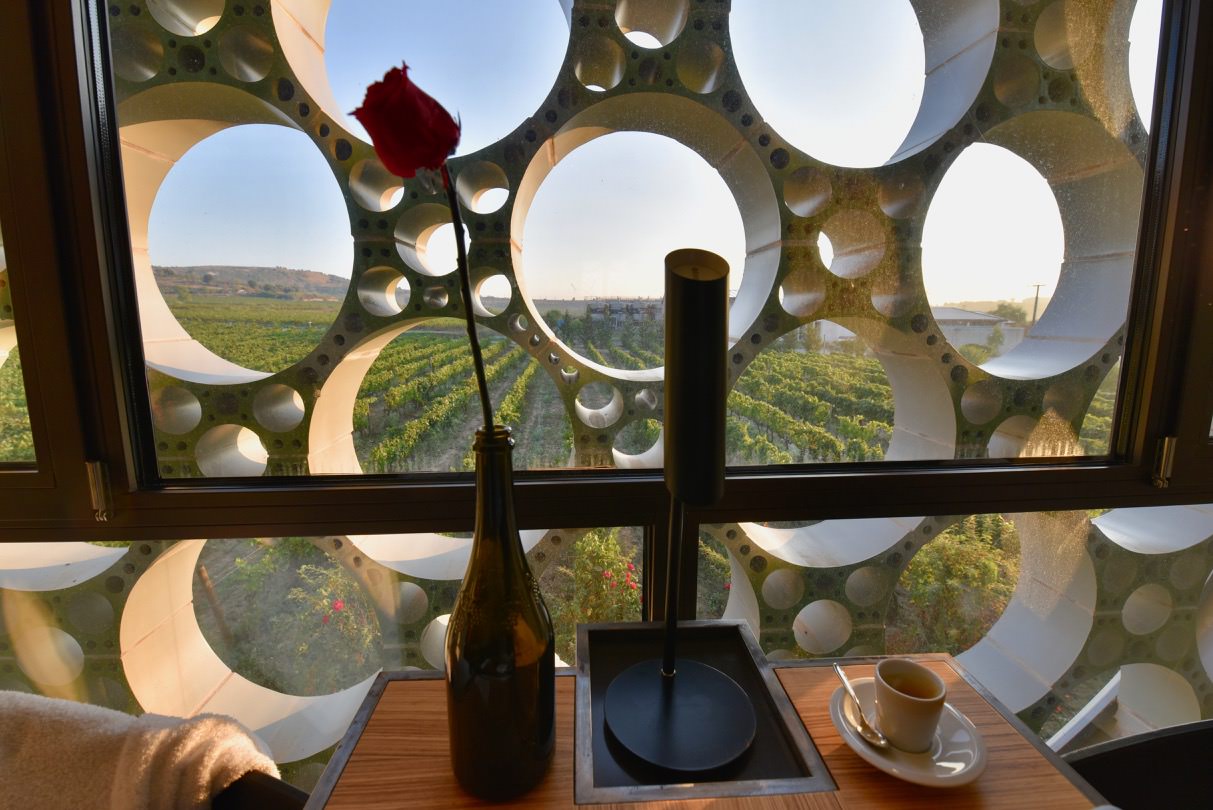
[[956, 757]]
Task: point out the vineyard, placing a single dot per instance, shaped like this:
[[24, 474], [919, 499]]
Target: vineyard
[[16, 441], [417, 411]]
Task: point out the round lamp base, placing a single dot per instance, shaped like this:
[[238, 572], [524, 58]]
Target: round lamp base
[[697, 720]]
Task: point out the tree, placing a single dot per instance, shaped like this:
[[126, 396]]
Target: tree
[[955, 587], [602, 585], [851, 345], [995, 340], [812, 337], [976, 352], [1011, 312]]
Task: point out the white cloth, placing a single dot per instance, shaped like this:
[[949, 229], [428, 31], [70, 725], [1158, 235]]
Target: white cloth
[[62, 754]]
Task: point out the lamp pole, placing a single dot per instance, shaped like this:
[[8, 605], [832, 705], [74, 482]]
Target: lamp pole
[[1036, 303]]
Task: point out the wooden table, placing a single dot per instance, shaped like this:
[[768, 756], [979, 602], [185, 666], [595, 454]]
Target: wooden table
[[395, 753]]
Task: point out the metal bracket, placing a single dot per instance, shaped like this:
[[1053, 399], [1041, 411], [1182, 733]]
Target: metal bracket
[[1164, 461], [99, 490]]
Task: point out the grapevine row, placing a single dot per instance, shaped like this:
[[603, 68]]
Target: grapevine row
[[419, 389], [818, 443], [509, 412], [401, 442]]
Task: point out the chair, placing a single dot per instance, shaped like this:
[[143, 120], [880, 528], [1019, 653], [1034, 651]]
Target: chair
[[259, 791], [1168, 768]]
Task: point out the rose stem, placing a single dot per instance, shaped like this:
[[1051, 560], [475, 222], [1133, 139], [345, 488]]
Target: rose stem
[[465, 287]]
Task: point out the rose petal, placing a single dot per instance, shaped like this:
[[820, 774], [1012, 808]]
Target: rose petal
[[408, 128]]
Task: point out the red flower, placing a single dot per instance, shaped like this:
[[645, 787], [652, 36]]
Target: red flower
[[631, 567], [728, 586], [606, 574], [324, 619], [614, 584], [633, 584], [338, 604], [409, 130]]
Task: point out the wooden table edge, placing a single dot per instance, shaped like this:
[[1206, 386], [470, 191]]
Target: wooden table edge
[[345, 748]]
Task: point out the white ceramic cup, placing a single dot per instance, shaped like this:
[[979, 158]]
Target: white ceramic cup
[[909, 701]]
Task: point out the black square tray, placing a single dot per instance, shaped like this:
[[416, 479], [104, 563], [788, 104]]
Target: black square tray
[[782, 759]]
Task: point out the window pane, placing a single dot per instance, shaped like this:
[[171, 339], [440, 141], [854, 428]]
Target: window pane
[[241, 627], [1045, 609], [931, 251], [16, 439]]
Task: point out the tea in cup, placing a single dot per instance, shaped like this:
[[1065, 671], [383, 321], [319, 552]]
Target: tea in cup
[[909, 701]]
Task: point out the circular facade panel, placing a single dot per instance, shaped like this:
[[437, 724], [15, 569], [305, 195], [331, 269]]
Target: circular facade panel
[[487, 44], [246, 54], [285, 252], [492, 295], [175, 410], [701, 66], [993, 211], [48, 656], [841, 82], [1144, 31], [383, 291], [433, 642], [231, 450], [414, 602], [822, 626], [278, 408], [652, 23], [188, 18], [289, 617], [603, 246], [138, 53], [783, 588], [1147, 609], [868, 585]]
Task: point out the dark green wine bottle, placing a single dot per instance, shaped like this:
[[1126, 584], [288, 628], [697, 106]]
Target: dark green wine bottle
[[500, 649]]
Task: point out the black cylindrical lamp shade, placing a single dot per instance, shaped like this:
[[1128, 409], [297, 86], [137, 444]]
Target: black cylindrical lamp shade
[[696, 348]]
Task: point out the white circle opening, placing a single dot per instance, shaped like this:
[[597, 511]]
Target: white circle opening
[[840, 81], [515, 45]]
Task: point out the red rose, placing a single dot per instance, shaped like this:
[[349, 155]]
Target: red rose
[[409, 130], [339, 604]]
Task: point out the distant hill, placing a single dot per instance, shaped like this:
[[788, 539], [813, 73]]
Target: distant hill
[[989, 306], [265, 282]]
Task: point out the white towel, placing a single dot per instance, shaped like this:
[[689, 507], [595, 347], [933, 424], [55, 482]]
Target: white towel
[[62, 754]]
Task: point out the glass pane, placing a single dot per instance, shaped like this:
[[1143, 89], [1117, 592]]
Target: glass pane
[[926, 263], [243, 627], [16, 438], [1089, 625]]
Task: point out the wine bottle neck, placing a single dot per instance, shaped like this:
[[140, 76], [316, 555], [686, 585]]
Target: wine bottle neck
[[494, 483]]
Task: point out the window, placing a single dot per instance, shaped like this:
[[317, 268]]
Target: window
[[315, 337], [16, 437], [256, 403]]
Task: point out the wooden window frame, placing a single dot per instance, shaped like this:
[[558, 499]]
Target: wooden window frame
[[62, 159]]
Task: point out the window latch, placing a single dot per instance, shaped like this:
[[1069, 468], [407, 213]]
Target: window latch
[[99, 490], [1164, 461]]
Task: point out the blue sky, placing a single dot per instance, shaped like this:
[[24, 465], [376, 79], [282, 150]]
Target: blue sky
[[840, 80]]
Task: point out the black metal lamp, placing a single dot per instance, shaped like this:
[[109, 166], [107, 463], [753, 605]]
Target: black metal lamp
[[677, 713]]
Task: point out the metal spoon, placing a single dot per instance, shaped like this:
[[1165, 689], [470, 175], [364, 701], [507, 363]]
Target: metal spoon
[[865, 729]]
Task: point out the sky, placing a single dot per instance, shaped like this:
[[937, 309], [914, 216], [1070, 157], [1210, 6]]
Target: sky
[[842, 81]]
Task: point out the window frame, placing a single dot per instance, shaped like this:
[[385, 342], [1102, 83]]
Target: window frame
[[54, 488], [104, 374]]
